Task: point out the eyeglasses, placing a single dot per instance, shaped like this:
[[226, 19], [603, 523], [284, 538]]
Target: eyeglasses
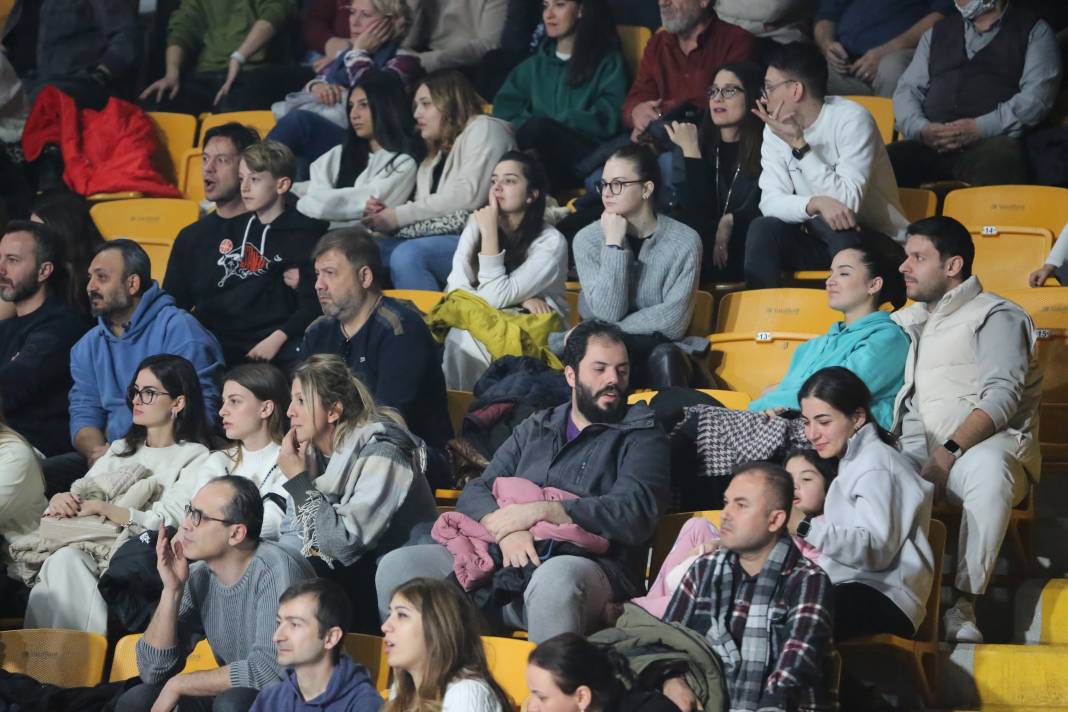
[[615, 187], [198, 516], [727, 92], [769, 88], [146, 395]]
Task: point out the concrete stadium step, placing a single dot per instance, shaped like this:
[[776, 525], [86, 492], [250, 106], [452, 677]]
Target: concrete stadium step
[[987, 677], [1041, 612]]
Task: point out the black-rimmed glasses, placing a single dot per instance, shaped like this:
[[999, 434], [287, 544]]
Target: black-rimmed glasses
[[198, 516], [615, 187], [146, 395]]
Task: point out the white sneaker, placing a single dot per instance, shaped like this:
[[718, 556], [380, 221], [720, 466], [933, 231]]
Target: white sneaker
[[960, 623]]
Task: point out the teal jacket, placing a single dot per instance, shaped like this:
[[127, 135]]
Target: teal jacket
[[538, 87], [874, 348]]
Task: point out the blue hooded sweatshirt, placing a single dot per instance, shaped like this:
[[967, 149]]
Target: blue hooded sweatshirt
[[102, 365], [349, 690], [874, 348]]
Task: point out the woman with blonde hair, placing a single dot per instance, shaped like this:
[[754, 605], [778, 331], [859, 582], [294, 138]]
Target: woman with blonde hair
[[462, 147], [434, 648], [356, 479]]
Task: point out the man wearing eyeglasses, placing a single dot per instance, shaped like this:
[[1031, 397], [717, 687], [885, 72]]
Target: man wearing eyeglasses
[[826, 181], [228, 596]]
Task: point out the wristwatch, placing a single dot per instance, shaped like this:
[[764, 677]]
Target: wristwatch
[[954, 449], [800, 153], [804, 526]]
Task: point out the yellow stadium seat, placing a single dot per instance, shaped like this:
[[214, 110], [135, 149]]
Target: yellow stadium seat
[[447, 496], [783, 309], [124, 662], [423, 299], [151, 222], [922, 651], [701, 320], [192, 185], [811, 275], [667, 531], [1048, 307], [262, 121], [573, 317], [1005, 255], [1000, 205], [573, 285], [459, 402], [882, 108], [918, 203], [507, 659], [633, 39], [68, 658], [370, 651], [729, 399], [750, 361], [176, 134]]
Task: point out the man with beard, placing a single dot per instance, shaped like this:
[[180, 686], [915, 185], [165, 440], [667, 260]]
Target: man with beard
[[385, 344], [614, 459], [35, 343], [136, 319]]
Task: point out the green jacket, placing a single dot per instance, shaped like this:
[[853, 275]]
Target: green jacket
[[538, 87], [213, 29]]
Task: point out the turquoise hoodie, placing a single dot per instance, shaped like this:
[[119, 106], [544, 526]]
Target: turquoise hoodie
[[874, 348], [538, 87]]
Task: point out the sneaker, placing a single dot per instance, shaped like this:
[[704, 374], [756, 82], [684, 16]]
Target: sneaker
[[960, 623]]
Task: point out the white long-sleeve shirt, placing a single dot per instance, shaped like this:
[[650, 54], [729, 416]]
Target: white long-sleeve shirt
[[260, 466], [1059, 254], [542, 273], [388, 177], [848, 162]]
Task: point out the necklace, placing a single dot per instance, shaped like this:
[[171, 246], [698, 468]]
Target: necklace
[[730, 190]]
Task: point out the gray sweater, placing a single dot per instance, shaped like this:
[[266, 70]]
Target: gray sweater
[[651, 292], [238, 621]]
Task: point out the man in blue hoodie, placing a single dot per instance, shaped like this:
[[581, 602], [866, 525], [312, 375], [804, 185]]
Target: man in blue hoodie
[[136, 319], [312, 618]]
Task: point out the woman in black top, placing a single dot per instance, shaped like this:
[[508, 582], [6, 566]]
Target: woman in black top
[[721, 195]]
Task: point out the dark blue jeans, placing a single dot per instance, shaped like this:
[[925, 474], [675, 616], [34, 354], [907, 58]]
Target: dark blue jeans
[[308, 136]]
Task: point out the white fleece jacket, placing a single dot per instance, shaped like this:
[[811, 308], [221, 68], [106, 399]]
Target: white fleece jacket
[[874, 525], [388, 177]]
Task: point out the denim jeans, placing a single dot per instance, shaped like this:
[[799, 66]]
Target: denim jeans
[[420, 262], [308, 136]]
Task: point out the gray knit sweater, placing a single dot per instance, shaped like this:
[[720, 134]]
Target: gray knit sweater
[[651, 293], [238, 621]]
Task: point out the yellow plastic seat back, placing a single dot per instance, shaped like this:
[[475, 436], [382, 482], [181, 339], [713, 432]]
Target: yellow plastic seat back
[[751, 361], [701, 320], [262, 121], [68, 658], [918, 203], [507, 659], [882, 109], [729, 399], [1023, 205], [783, 309], [1004, 256], [633, 39], [176, 134], [667, 531], [423, 299], [124, 662], [459, 402], [370, 651], [192, 185], [151, 222]]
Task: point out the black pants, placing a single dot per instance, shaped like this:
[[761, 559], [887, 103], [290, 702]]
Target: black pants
[[254, 88], [142, 697], [60, 471], [860, 610], [657, 363], [773, 246], [358, 579], [990, 161], [559, 148]]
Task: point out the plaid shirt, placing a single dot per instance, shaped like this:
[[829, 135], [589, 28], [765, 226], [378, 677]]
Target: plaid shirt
[[800, 625]]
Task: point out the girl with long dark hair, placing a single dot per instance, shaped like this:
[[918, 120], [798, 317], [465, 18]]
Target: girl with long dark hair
[[721, 195], [160, 456], [377, 159], [509, 257], [564, 100]]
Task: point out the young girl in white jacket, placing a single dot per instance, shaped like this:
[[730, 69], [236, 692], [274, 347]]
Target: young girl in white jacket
[[872, 537], [509, 257]]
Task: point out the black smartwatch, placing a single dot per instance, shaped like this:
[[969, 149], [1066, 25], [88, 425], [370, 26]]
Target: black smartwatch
[[800, 153], [954, 449], [804, 526]]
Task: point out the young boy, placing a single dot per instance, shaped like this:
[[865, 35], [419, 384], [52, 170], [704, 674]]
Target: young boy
[[239, 290]]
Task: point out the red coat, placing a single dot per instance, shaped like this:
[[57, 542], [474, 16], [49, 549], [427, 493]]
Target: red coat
[[107, 151]]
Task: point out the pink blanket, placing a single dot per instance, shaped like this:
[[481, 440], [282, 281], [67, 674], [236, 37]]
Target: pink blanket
[[469, 542]]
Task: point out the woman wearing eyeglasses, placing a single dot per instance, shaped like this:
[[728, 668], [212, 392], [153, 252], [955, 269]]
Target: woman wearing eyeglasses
[[639, 270], [721, 194], [151, 474], [356, 479]]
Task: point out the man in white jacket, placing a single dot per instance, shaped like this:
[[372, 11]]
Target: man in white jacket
[[968, 411], [826, 180]]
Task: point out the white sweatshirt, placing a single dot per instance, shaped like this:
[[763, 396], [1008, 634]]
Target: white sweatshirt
[[848, 162], [388, 177], [1059, 254], [874, 525], [260, 466], [542, 273]]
